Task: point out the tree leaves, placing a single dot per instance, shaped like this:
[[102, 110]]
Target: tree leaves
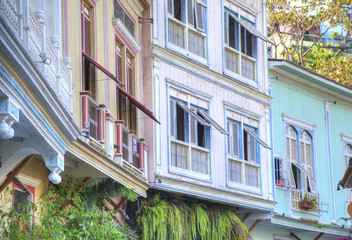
[[298, 28]]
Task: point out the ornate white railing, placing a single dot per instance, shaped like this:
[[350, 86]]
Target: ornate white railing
[[30, 28], [297, 196]]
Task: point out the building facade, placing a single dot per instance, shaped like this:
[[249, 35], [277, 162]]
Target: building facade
[[210, 93], [35, 98], [312, 145], [71, 94]]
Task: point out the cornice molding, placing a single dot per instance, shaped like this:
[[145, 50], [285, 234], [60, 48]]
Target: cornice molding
[[203, 71]]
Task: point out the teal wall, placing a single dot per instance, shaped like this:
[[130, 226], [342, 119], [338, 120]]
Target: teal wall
[[308, 105]]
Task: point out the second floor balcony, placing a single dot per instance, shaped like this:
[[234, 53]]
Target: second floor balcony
[[41, 42]]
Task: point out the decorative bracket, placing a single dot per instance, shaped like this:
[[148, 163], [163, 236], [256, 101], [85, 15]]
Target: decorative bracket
[[55, 162]]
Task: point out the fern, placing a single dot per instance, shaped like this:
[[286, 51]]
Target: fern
[[176, 219]]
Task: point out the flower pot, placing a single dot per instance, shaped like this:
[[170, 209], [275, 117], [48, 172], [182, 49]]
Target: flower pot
[[306, 205]]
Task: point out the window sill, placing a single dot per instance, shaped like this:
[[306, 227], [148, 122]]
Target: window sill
[[189, 173], [186, 53], [243, 187], [241, 78]]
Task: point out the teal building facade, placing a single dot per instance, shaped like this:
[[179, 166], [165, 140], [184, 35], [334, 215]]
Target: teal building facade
[[311, 139]]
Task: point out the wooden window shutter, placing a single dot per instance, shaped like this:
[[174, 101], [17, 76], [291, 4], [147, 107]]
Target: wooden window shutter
[[172, 119], [235, 140], [169, 6], [251, 147], [130, 81], [226, 28], [199, 17], [190, 11], [292, 178], [119, 67], [228, 139], [193, 129], [311, 181], [87, 39]]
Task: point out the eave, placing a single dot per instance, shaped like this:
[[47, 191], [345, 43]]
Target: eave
[[289, 70], [81, 151], [243, 201]]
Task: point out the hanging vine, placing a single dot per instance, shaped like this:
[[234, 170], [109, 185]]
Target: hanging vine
[[174, 219]]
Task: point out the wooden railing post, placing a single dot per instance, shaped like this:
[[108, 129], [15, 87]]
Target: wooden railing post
[[119, 138]]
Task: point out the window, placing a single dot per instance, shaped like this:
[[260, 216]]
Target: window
[[186, 27], [87, 29], [348, 156], [280, 171], [240, 36], [125, 63], [89, 74], [240, 47], [242, 151], [23, 195], [190, 138], [299, 153], [120, 13]]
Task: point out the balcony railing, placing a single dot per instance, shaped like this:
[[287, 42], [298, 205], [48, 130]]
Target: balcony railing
[[30, 29], [297, 196], [189, 157], [241, 64], [133, 151]]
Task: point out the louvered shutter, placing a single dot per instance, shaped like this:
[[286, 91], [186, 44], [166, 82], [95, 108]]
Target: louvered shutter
[[292, 178], [252, 151], [169, 6], [193, 130], [130, 80], [302, 151], [87, 42], [304, 182], [311, 181], [190, 12], [172, 119], [293, 149], [119, 67], [226, 28], [199, 17], [228, 139], [235, 148]]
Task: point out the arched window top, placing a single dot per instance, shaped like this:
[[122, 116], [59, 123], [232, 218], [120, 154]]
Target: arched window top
[[291, 132], [305, 137]]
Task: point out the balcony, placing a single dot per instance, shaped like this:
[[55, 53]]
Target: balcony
[[30, 29], [297, 196], [131, 151]]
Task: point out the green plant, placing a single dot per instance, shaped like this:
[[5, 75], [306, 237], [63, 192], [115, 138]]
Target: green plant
[[311, 201], [177, 219], [63, 213]]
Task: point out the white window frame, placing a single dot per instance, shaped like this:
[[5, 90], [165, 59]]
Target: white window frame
[[244, 125], [236, 51], [306, 171], [188, 28], [187, 143]]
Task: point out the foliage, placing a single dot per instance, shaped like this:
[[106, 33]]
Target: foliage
[[312, 201], [289, 22], [174, 219], [56, 219]]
